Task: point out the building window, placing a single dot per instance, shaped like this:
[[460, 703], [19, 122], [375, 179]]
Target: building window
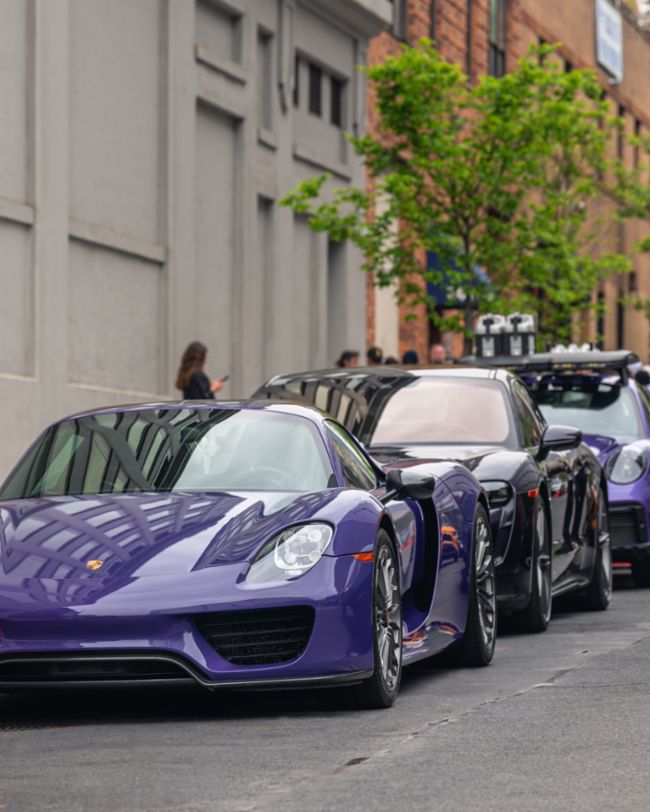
[[325, 94], [337, 87], [600, 321], [620, 323], [620, 134], [315, 90], [265, 79], [498, 31], [296, 82], [636, 158]]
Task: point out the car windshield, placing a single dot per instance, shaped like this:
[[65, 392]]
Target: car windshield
[[594, 407], [179, 449], [440, 410]]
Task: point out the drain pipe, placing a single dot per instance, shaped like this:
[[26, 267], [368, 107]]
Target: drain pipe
[[469, 42]]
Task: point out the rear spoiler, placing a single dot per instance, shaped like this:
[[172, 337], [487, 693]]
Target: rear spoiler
[[562, 362]]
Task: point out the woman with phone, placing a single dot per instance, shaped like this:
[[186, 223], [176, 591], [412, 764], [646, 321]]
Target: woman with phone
[[191, 379]]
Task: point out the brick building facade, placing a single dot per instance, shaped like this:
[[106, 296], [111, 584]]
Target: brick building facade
[[490, 36]]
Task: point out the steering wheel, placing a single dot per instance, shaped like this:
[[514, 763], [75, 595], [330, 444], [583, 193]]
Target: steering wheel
[[277, 477]]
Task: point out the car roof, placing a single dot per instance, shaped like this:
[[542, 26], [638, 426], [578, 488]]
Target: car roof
[[299, 409], [396, 371], [592, 361]]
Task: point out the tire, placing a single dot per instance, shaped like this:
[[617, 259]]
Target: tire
[[380, 690], [536, 616], [641, 574], [477, 646], [599, 592]]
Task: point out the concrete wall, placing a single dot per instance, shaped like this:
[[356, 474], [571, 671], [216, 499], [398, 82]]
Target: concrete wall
[[144, 145]]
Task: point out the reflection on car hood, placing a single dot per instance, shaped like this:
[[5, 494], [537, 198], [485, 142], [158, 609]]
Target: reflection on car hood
[[391, 453], [135, 535]]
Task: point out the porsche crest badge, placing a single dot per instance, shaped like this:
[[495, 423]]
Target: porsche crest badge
[[94, 564]]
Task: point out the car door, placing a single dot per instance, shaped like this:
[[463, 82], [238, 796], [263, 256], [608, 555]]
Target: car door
[[557, 473], [358, 472]]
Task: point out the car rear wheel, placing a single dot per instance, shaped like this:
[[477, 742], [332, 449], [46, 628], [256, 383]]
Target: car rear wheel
[[641, 574], [536, 616], [599, 592], [477, 646], [380, 690]]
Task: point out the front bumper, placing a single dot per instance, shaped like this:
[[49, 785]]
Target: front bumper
[[628, 526], [133, 640], [512, 531]]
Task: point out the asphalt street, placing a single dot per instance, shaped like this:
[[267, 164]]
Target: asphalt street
[[559, 721]]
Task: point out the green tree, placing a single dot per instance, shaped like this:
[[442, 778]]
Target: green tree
[[494, 176], [633, 193], [633, 186]]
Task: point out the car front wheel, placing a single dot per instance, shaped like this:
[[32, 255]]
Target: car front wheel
[[536, 616], [599, 592], [380, 690], [477, 646]]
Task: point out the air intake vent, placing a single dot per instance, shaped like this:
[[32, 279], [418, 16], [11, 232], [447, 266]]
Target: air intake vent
[[259, 636], [63, 668]]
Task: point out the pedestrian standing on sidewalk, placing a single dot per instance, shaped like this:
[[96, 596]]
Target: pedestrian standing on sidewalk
[[348, 358], [410, 357], [191, 379], [437, 354]]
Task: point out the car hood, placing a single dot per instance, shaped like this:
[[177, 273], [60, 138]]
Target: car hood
[[601, 445], [137, 535], [425, 451]]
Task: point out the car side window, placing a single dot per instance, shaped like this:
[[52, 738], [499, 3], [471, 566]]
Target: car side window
[[532, 424], [357, 471]]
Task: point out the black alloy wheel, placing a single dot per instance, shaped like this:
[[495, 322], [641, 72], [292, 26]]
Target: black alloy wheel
[[380, 690], [536, 616], [477, 646], [599, 592]]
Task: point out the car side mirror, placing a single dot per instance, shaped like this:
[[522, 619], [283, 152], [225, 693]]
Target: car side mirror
[[559, 438], [411, 483]]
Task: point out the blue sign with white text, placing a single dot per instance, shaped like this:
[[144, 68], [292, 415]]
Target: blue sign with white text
[[609, 39]]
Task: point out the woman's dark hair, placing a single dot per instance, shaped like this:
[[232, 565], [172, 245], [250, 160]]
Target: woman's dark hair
[[193, 359]]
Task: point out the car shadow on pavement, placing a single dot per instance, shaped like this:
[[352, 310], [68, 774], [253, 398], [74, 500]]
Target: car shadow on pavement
[[92, 706]]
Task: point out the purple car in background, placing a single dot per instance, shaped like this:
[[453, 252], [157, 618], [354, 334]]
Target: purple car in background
[[594, 392], [236, 545]]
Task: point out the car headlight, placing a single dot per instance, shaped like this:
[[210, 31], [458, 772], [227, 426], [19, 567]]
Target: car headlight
[[626, 465], [290, 554], [498, 493]]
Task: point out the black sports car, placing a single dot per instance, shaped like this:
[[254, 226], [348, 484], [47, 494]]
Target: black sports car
[[594, 392], [547, 492]]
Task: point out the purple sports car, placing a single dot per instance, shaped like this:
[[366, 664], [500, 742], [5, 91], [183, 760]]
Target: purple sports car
[[594, 392], [236, 545]]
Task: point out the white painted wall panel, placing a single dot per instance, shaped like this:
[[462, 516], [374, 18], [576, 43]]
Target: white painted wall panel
[[18, 418], [14, 99], [97, 105], [218, 30], [215, 217], [303, 306], [115, 335], [116, 76], [16, 299]]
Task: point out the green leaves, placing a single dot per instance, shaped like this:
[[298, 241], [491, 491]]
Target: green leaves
[[496, 176]]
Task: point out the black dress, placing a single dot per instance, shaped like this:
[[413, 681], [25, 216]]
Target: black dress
[[198, 387]]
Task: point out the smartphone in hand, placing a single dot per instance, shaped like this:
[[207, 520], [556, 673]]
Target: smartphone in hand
[[225, 378]]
